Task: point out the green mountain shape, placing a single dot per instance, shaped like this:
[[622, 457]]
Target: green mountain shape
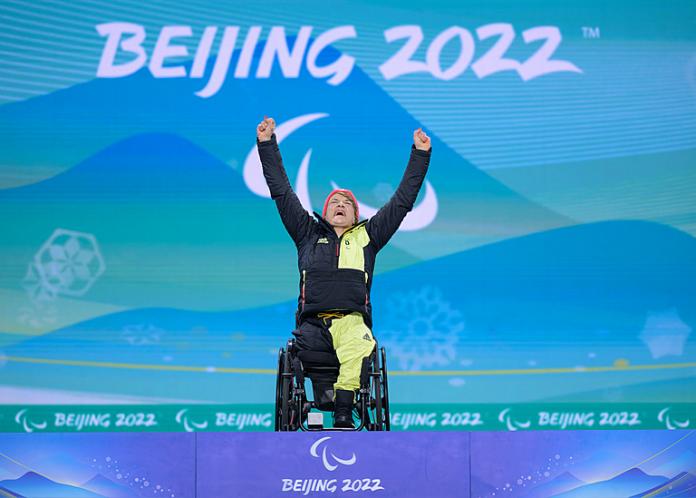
[[655, 187]]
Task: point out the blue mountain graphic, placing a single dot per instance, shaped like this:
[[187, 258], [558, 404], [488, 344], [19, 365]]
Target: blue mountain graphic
[[149, 166], [683, 485], [33, 484], [622, 486], [160, 176]]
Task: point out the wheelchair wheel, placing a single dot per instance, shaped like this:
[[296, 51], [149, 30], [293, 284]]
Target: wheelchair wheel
[[279, 383], [373, 408], [385, 389], [283, 392], [376, 393], [376, 396]]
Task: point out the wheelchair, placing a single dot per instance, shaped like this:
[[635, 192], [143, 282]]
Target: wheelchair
[[295, 411]]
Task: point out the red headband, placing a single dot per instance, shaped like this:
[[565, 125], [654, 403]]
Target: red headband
[[348, 194]]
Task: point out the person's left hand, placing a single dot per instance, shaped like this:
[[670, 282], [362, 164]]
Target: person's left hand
[[265, 129], [421, 140]]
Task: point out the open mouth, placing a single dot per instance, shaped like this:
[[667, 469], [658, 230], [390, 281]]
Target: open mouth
[[339, 212]]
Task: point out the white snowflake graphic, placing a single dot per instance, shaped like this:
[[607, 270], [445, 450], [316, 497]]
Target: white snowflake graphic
[[142, 334], [67, 263], [664, 333], [421, 329]]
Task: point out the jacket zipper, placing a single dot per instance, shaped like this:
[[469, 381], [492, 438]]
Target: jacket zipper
[[367, 297], [304, 280], [338, 247]]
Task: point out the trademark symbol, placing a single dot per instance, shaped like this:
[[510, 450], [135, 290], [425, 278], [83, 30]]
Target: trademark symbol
[[590, 32]]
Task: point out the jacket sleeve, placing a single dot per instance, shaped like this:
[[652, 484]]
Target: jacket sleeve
[[296, 219], [386, 222]]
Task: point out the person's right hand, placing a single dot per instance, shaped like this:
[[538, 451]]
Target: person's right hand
[[265, 129]]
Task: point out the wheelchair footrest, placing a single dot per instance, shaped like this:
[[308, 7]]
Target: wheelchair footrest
[[315, 420]]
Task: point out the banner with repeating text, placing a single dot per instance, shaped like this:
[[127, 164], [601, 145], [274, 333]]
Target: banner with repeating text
[[546, 277]]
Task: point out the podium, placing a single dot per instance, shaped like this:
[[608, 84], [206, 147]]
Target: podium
[[531, 464]]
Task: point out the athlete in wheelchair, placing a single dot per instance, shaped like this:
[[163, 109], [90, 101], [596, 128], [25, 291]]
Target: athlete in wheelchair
[[336, 258], [294, 409]]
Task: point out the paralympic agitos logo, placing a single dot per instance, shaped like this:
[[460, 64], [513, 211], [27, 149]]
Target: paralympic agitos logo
[[125, 41], [420, 217], [322, 450], [330, 461]]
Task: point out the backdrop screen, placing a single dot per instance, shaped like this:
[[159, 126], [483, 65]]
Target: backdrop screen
[[550, 257]]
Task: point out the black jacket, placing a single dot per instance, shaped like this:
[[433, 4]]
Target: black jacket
[[336, 272]]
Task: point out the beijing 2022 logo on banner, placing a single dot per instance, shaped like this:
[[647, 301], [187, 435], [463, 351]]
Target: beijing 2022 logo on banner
[[126, 39], [324, 450]]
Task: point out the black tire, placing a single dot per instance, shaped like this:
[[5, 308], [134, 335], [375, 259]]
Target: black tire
[[279, 378], [286, 389], [377, 393], [385, 389]]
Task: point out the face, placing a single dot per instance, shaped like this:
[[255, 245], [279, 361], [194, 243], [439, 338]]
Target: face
[[340, 211]]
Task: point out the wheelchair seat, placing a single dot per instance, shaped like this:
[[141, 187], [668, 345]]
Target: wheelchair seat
[[322, 368], [318, 360]]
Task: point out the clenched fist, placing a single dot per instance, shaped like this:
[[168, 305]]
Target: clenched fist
[[421, 140], [265, 129]]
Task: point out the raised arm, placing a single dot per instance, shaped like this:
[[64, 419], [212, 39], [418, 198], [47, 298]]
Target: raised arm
[[296, 219], [386, 222]]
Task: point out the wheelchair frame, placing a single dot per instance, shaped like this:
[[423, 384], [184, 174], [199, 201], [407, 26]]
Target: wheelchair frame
[[292, 405]]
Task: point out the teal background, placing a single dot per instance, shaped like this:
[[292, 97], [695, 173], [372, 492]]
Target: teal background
[[136, 265]]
